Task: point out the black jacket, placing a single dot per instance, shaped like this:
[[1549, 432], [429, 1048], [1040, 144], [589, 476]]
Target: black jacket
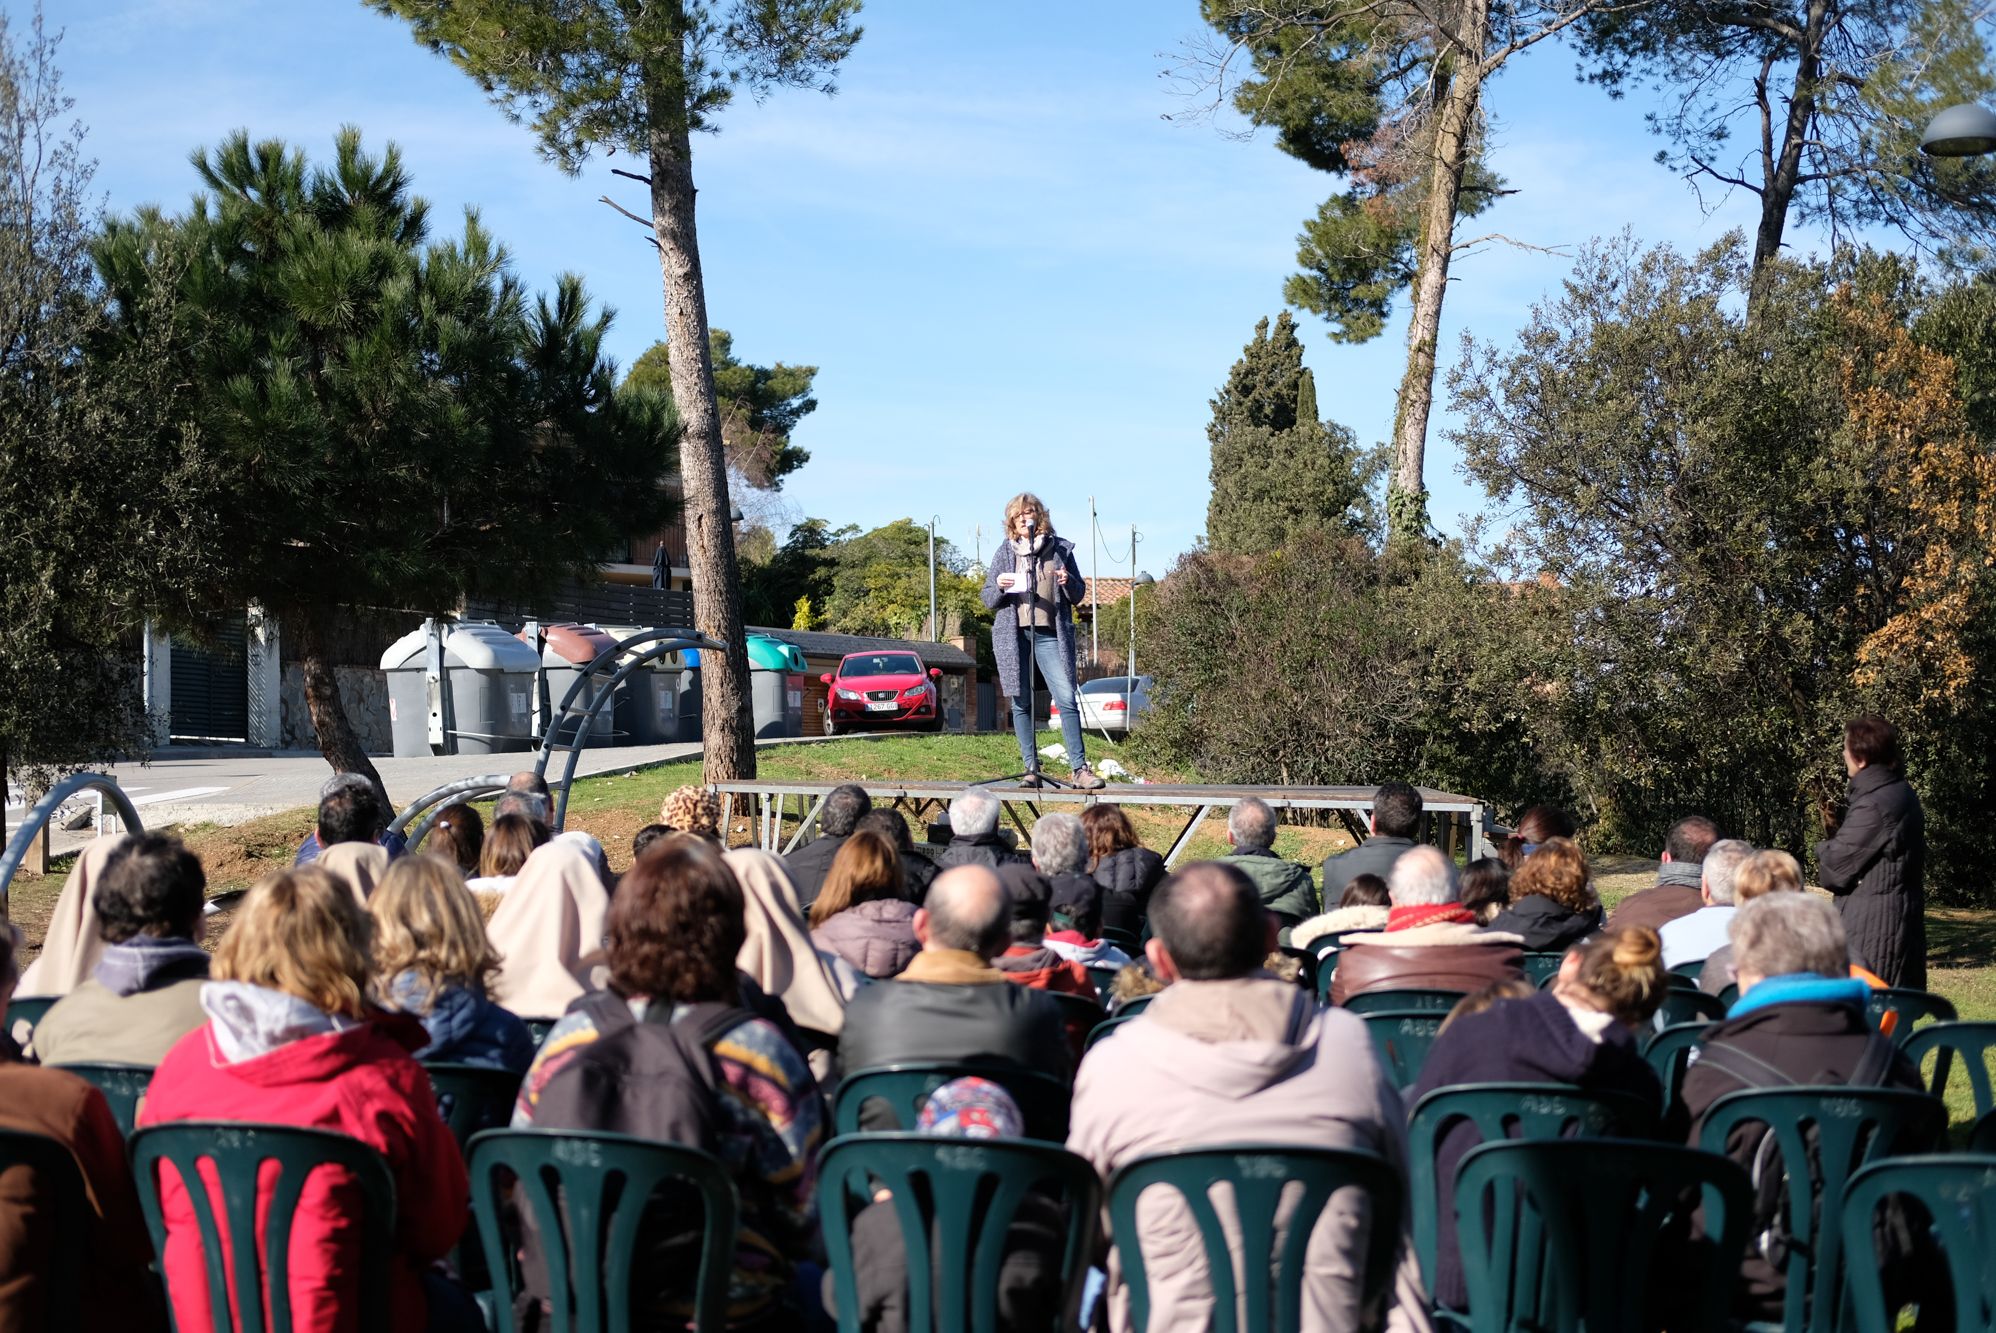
[[1547, 926], [808, 866], [894, 1022], [1518, 1041], [983, 849], [917, 873], [1374, 856], [1876, 865], [1127, 878]]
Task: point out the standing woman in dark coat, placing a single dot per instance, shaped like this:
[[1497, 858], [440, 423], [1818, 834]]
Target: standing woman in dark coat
[[1875, 860]]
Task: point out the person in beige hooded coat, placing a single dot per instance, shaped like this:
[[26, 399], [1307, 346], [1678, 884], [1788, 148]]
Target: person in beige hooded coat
[[1228, 1054], [549, 932]]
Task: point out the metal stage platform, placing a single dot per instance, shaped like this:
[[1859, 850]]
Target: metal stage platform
[[1450, 821]]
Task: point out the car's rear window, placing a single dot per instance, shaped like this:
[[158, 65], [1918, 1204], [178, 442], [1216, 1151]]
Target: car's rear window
[[1107, 685], [882, 664]]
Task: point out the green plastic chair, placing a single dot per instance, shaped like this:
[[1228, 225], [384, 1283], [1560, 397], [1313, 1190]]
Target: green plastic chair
[[23, 1012], [1107, 1028], [1258, 1176], [1131, 1008], [123, 1086], [1540, 968], [67, 1217], [1911, 1006], [1126, 940], [1729, 995], [1562, 1235], [538, 1029], [1958, 1195], [1503, 1111], [1103, 977], [956, 1200], [588, 1196], [1399, 1001], [236, 1153], [1403, 1038], [1688, 1006], [1852, 1127], [1669, 1052], [1972, 1042], [1043, 1099], [1687, 972], [473, 1098]]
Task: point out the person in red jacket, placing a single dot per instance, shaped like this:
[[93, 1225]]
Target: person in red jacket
[[292, 1040]]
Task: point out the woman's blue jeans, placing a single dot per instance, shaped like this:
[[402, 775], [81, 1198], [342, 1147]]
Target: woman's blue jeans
[[1057, 678]]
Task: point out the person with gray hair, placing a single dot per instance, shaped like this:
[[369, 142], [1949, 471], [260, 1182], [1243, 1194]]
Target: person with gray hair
[[1800, 1019], [1286, 888], [1688, 939], [974, 837], [1060, 852], [950, 1003], [809, 864], [1431, 941]]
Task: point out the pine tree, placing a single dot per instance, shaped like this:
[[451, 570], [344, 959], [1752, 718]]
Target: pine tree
[[1276, 468]]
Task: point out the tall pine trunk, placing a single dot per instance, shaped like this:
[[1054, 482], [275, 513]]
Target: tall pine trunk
[[1781, 164], [1448, 160], [305, 630], [728, 742]]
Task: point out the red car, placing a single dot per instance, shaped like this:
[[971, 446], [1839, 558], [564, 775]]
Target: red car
[[883, 689]]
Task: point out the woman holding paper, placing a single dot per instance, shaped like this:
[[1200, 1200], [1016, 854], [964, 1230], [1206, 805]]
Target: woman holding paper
[[1031, 586]]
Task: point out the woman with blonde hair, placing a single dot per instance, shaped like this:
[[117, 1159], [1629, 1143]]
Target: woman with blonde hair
[[1580, 1031], [860, 914], [1553, 903], [1033, 586], [432, 960], [291, 1039]]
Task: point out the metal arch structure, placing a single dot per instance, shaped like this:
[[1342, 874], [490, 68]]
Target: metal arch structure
[[430, 804], [44, 810], [662, 641]]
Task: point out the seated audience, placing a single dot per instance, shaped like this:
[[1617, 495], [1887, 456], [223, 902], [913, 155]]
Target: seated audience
[[1285, 887], [459, 837], [354, 800], [1363, 907], [1677, 890], [1029, 1288], [1539, 824], [145, 992], [694, 810], [1799, 1019], [1553, 903], [292, 1040], [974, 839], [1430, 942], [1395, 819], [1692, 938], [779, 956], [116, 1295], [917, 870], [809, 864], [1075, 931], [1227, 1054], [951, 1003], [1028, 960], [618, 1062], [74, 942], [1486, 888], [1764, 872], [1060, 850], [1127, 870], [433, 961], [1581, 1031], [860, 915], [548, 930], [645, 838], [505, 850]]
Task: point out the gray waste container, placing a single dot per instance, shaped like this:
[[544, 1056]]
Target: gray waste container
[[690, 708], [776, 686], [568, 650], [490, 675], [647, 703]]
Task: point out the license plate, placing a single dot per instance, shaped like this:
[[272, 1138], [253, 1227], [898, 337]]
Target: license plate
[[881, 705]]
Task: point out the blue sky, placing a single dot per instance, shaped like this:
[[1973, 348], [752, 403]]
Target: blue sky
[[1013, 271]]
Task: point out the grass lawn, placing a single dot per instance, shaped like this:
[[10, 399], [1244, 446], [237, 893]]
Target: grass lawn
[[1961, 942]]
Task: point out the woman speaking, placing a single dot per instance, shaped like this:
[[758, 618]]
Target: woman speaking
[[1032, 583]]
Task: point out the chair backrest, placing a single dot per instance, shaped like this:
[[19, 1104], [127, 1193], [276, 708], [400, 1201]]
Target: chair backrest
[[1126, 940], [64, 1226], [123, 1086], [1107, 1028], [1688, 1006], [955, 1201], [1729, 994], [588, 1195], [1688, 972], [1540, 967], [1911, 1006], [473, 1098], [1429, 1001], [1669, 1051], [1822, 1136], [23, 1012], [538, 1029], [1403, 1037], [1043, 1099], [1506, 1111], [1957, 1194], [1103, 977], [1076, 1008], [1973, 1042], [1131, 1008], [1260, 1295], [1562, 1235], [235, 1154]]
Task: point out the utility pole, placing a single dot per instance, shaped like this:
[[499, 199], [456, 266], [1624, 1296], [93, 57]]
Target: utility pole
[[1094, 589], [1130, 662], [935, 626]]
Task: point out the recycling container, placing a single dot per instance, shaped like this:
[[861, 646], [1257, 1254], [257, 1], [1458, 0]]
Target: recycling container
[[490, 676]]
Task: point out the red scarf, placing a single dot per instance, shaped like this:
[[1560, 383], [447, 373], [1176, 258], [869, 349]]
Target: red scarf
[[1410, 918]]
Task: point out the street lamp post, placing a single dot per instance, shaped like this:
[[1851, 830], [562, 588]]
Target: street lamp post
[[935, 627], [1968, 130]]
